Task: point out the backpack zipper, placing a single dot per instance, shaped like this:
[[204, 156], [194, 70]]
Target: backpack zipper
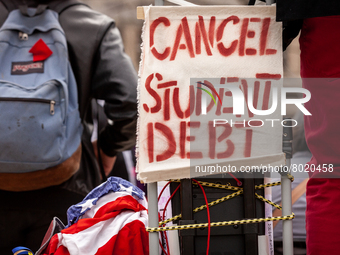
[[36, 100]]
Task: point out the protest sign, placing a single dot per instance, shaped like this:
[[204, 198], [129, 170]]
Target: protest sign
[[209, 87]]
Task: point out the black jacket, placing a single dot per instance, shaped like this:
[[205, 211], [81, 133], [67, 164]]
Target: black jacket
[[293, 12], [288, 10], [103, 71]]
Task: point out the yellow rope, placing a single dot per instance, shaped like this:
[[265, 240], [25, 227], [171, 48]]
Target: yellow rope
[[213, 185], [267, 185], [177, 217], [268, 201], [228, 187], [204, 206], [218, 201], [222, 223], [225, 223]]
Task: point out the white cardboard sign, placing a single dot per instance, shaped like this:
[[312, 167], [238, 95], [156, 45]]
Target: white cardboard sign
[[210, 77]]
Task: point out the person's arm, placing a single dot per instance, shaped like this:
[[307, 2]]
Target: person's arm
[[115, 82]]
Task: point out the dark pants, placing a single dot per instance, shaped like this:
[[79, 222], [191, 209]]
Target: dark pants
[[25, 216]]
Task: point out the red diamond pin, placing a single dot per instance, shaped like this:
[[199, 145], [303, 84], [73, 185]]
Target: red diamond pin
[[40, 51]]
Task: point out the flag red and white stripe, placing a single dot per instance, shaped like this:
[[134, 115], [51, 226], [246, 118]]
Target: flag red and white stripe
[[114, 225]]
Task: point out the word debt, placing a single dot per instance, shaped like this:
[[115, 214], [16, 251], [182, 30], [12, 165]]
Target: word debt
[[218, 142], [228, 37]]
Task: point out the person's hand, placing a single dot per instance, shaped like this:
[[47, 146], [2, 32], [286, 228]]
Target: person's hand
[[108, 162]]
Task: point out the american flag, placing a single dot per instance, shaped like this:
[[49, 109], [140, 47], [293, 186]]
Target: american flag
[[110, 220]]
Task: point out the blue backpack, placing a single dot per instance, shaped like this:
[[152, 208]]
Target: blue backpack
[[40, 125]]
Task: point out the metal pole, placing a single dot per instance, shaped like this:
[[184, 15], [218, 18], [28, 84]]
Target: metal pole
[[153, 218], [287, 225], [286, 189], [153, 205]]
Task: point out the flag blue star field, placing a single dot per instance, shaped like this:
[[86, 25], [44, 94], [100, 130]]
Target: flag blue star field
[[110, 220]]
